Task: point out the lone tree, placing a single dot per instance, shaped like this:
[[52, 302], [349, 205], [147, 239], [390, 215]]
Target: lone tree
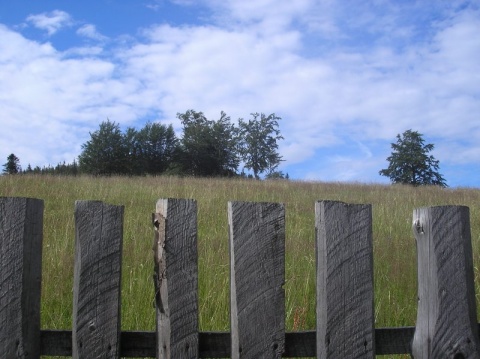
[[410, 162], [258, 143], [12, 166]]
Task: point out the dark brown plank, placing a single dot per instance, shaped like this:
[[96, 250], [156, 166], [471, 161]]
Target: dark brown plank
[[97, 280], [300, 344], [21, 235], [138, 344], [345, 314], [176, 268], [394, 340], [257, 262], [56, 342], [446, 318], [217, 344]]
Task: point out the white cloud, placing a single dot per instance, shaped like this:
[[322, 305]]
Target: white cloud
[[50, 21], [207, 67], [154, 5], [327, 94], [90, 31], [50, 103], [279, 14], [83, 51]]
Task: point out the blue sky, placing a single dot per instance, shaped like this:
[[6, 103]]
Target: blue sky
[[345, 76]]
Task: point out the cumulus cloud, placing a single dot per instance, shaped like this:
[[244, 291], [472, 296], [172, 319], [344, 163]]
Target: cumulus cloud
[[90, 31], [364, 95], [265, 57], [270, 13], [50, 21], [61, 99]]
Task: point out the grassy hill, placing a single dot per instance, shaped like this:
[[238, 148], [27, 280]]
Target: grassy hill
[[394, 244]]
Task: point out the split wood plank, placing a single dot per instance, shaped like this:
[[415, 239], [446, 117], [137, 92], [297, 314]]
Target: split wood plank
[[176, 278]]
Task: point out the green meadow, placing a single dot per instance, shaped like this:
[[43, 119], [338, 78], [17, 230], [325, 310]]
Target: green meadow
[[394, 244]]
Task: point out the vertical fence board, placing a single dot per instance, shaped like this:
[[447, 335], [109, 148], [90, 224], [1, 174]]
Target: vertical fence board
[[257, 260], [176, 278], [21, 235], [446, 318], [345, 312], [97, 280]]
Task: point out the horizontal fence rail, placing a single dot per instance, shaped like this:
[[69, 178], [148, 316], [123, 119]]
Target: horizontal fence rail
[[446, 318]]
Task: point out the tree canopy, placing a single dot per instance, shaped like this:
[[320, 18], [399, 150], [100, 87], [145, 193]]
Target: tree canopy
[[12, 166], [258, 143], [206, 148], [152, 149], [410, 162], [106, 152]]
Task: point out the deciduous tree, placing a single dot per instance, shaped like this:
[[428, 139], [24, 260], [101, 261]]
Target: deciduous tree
[[106, 153], [208, 148], [259, 147], [156, 144]]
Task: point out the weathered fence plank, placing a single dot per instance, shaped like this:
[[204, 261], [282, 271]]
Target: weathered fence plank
[[257, 260], [345, 314], [176, 278], [446, 317], [97, 280], [21, 235]]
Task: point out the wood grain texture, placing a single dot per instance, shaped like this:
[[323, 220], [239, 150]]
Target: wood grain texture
[[446, 317], [97, 280], [345, 314], [257, 260], [21, 235], [176, 268]]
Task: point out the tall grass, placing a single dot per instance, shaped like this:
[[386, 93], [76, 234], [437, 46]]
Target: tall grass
[[394, 245]]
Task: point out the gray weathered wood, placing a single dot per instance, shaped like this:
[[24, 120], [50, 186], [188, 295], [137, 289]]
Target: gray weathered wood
[[257, 260], [446, 317], [176, 278], [21, 235], [97, 280], [345, 312]]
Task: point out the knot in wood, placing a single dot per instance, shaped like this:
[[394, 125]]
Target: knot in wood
[[418, 226], [91, 326]]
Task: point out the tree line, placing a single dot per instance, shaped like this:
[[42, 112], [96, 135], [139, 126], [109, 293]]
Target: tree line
[[207, 148], [216, 148]]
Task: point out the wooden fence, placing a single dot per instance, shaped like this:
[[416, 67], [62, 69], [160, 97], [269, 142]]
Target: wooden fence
[[446, 322]]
